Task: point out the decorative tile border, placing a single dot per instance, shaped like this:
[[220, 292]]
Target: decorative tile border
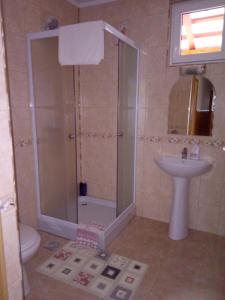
[[23, 143], [151, 139], [98, 135], [216, 143]]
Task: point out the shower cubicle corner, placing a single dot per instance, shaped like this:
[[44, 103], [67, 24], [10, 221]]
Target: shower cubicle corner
[[64, 228]]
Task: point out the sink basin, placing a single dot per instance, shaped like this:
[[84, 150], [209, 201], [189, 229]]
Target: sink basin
[[179, 167], [181, 170]]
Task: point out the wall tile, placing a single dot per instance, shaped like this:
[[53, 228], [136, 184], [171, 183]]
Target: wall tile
[[13, 12], [208, 218], [7, 176], [32, 20], [210, 192], [18, 83], [218, 123], [21, 17], [150, 206], [99, 161], [6, 143], [194, 201], [21, 124], [147, 23], [165, 208], [16, 51], [156, 7], [142, 114], [102, 191], [98, 94], [26, 185], [98, 119], [156, 121]]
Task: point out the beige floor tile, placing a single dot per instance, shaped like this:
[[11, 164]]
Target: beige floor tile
[[191, 269]]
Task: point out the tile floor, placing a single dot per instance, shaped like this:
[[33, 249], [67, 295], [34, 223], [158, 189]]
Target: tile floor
[[191, 269]]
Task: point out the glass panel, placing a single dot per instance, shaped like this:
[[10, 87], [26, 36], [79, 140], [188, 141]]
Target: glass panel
[[55, 122], [126, 125], [98, 94], [202, 31]]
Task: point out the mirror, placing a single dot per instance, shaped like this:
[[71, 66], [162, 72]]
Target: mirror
[[192, 101]]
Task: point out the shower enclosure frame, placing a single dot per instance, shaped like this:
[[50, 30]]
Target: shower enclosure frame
[[61, 227]]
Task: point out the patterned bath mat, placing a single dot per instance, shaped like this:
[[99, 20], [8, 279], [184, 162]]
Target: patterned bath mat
[[108, 276]]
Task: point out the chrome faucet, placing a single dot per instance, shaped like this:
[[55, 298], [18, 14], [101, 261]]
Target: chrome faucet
[[184, 153]]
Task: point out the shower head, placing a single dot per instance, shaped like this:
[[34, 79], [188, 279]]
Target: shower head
[[51, 23]]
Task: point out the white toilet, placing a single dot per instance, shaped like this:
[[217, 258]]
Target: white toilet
[[29, 244]]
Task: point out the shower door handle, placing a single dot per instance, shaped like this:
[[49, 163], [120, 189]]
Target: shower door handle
[[120, 134], [72, 136]]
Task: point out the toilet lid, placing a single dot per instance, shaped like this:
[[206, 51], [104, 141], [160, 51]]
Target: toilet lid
[[28, 236]]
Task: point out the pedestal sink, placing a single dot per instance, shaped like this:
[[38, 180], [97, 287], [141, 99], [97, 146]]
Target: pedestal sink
[[182, 170]]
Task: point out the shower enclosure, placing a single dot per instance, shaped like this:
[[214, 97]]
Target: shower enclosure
[[84, 130]]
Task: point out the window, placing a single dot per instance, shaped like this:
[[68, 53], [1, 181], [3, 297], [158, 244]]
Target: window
[[197, 31]]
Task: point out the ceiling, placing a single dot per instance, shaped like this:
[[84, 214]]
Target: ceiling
[[85, 3]]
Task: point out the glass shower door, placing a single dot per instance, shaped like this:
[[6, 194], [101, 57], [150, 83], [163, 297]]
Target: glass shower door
[[55, 131], [126, 123]]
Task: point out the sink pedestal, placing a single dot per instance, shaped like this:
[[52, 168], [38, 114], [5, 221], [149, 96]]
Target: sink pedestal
[[178, 228], [182, 170]]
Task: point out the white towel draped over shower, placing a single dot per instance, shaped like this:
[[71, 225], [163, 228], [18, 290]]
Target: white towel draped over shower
[[81, 44]]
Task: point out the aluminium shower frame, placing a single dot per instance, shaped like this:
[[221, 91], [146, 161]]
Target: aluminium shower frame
[[61, 227]]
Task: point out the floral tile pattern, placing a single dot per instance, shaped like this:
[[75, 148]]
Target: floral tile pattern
[[107, 276]]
